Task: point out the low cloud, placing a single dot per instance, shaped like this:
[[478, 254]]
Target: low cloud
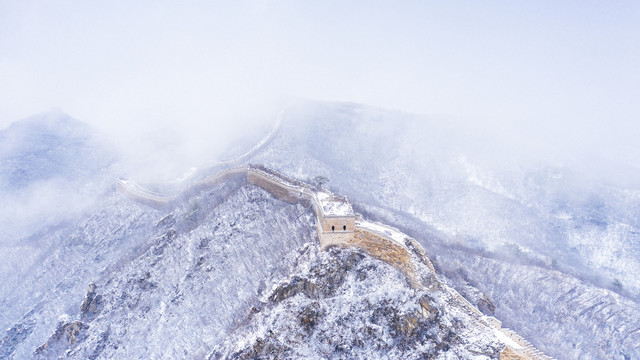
[[545, 79]]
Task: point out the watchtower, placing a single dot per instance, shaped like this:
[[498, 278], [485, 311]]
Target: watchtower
[[336, 220]]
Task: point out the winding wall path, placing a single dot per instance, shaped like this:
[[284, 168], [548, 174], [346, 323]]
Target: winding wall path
[[378, 240], [209, 165]]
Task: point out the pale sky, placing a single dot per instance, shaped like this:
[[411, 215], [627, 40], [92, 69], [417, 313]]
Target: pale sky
[[564, 70]]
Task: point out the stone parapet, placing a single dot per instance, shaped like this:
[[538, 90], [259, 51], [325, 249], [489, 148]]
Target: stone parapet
[[137, 193]]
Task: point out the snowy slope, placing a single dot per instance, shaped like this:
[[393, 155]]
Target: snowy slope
[[552, 256], [165, 289], [341, 304], [431, 179], [184, 284]]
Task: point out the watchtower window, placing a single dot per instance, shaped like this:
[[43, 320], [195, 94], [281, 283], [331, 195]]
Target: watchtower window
[[344, 227], [333, 228]]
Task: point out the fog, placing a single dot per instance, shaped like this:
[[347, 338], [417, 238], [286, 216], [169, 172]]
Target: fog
[[506, 128], [523, 73]]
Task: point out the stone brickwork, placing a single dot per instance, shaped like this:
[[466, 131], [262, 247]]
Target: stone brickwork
[[509, 354], [274, 187], [329, 239], [338, 223], [386, 250]]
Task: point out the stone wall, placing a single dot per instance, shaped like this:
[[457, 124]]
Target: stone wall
[[130, 191], [275, 188], [237, 175], [378, 247], [510, 354], [421, 254], [225, 176], [373, 243], [329, 239], [338, 222]]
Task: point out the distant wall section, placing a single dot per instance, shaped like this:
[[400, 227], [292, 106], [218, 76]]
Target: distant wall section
[[275, 187]]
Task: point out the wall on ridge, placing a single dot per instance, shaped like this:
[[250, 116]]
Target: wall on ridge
[[338, 222], [379, 248], [329, 239], [509, 353], [275, 188], [238, 175], [146, 199], [372, 243]]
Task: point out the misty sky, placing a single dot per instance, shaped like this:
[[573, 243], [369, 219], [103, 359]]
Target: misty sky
[[560, 70]]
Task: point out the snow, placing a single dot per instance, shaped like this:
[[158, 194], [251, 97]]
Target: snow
[[333, 205], [409, 182], [406, 171], [505, 339], [163, 296], [133, 187], [384, 230], [372, 296]]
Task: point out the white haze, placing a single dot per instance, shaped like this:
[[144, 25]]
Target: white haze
[[563, 73], [515, 88]]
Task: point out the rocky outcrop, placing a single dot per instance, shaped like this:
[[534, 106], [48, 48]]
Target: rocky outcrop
[[67, 334], [16, 335], [342, 304], [91, 305], [192, 280]]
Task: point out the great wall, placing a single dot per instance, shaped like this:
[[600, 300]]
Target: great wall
[[337, 225]]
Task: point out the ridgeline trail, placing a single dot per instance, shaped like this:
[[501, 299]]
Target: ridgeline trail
[[337, 225]]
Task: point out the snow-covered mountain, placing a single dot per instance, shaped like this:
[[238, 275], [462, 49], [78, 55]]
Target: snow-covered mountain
[[47, 146], [557, 255], [50, 165], [188, 284], [228, 271]]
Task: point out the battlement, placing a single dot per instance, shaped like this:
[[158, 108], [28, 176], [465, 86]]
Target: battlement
[[336, 219]]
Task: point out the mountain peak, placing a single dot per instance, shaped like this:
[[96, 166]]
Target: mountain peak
[[54, 122]]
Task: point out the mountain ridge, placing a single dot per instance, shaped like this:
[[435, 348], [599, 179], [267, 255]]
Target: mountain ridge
[[377, 240], [532, 277]]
